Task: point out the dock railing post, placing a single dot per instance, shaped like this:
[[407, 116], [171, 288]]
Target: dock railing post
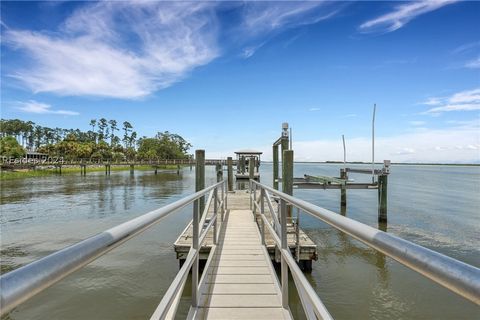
[[262, 212], [215, 214], [224, 199], [250, 188], [382, 197], [254, 198], [230, 173], [200, 175], [284, 267], [195, 247], [275, 167]]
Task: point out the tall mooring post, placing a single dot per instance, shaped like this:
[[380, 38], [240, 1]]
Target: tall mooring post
[[219, 170], [382, 197], [343, 190], [200, 176], [287, 176], [275, 167], [251, 168], [132, 168], [230, 173]]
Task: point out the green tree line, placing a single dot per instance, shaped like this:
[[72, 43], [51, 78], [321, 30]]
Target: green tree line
[[105, 141]]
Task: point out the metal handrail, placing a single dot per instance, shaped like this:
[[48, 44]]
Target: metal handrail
[[23, 283], [170, 300], [457, 276], [312, 305]]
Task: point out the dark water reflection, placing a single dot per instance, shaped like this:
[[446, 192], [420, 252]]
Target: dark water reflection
[[437, 207]]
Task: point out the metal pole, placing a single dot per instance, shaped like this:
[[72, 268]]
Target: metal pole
[[254, 198], [291, 140], [196, 210], [223, 199], [373, 143], [215, 215], [344, 152], [455, 275], [262, 212], [284, 271]]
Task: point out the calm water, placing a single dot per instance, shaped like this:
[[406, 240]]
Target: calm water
[[435, 206]]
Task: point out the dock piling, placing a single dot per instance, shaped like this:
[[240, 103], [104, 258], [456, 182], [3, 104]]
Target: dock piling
[[219, 170], [382, 197], [287, 175], [275, 167], [251, 168], [200, 175], [230, 173], [343, 192]]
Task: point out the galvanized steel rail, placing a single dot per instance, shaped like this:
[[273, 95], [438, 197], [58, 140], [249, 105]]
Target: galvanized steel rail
[[23, 283], [455, 275], [312, 305]]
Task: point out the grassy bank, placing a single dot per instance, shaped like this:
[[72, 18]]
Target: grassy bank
[[21, 174]]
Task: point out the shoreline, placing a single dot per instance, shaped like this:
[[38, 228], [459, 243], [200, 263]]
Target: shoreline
[[29, 173]]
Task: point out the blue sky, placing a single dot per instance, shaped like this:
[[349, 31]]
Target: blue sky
[[225, 75]]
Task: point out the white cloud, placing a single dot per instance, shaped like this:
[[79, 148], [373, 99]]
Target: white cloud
[[314, 109], [119, 49], [417, 123], [432, 101], [263, 17], [468, 100], [402, 14], [33, 106], [130, 49], [473, 64], [405, 151], [435, 146], [250, 50]]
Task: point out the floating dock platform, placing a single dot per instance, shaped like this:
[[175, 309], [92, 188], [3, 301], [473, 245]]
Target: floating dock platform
[[304, 250]]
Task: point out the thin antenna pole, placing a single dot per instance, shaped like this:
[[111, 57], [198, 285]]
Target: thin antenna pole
[[291, 140], [344, 152], [373, 143]]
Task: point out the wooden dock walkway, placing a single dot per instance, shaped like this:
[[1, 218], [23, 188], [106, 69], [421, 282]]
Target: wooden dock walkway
[[240, 200], [239, 280]]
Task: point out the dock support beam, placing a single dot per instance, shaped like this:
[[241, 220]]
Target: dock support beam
[[287, 176], [230, 173], [343, 192], [275, 167], [382, 197], [200, 175]]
